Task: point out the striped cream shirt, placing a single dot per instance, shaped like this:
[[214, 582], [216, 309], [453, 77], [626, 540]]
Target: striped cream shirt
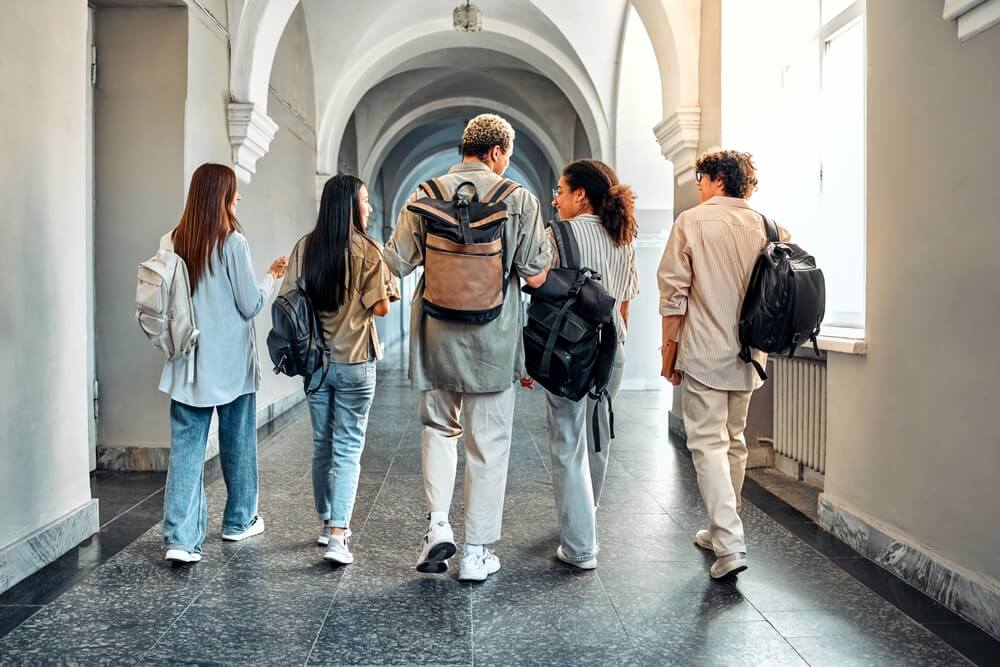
[[616, 264], [703, 274]]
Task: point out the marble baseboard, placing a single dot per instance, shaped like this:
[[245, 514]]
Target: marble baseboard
[[30, 554], [976, 600], [270, 417]]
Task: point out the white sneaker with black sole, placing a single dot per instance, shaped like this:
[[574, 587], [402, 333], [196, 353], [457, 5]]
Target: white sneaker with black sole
[[338, 553], [476, 567], [255, 528], [324, 536], [182, 556], [727, 566], [438, 546], [703, 539]]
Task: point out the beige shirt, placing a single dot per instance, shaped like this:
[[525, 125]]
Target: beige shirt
[[350, 331], [703, 274], [616, 264], [471, 358]]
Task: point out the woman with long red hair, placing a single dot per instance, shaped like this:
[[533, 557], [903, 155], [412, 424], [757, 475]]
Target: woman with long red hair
[[226, 374]]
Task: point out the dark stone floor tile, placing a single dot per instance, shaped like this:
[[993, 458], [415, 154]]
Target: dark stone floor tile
[[12, 616], [914, 646], [822, 587], [972, 642], [390, 629], [508, 633], [896, 591], [693, 601], [625, 578], [822, 541], [120, 491], [714, 643]]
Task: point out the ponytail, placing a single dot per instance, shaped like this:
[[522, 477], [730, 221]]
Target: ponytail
[[612, 201]]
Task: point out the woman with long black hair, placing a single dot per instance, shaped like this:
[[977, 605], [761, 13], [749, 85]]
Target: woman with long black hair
[[226, 297], [342, 271]]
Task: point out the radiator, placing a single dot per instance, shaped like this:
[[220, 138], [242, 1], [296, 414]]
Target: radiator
[[800, 411]]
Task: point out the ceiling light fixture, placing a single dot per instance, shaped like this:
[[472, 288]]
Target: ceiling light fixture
[[468, 17]]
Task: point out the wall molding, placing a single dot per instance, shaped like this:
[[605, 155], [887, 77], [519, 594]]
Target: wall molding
[[33, 552], [678, 136], [972, 16], [965, 594], [250, 134]]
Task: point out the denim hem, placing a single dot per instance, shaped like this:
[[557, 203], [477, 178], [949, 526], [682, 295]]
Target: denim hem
[[233, 530], [323, 516], [578, 559], [333, 523], [182, 547]]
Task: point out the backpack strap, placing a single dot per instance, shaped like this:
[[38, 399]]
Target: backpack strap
[[599, 392], [432, 188], [770, 230], [569, 250], [503, 189], [747, 358]]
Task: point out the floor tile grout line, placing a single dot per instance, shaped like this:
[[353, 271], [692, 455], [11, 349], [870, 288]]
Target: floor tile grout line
[[191, 604], [333, 600], [124, 512]]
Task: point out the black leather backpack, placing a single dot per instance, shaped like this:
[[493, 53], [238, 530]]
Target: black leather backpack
[[570, 339], [784, 303], [295, 343]]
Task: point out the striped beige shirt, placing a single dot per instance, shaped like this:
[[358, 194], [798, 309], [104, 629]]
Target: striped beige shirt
[[703, 274], [616, 264]]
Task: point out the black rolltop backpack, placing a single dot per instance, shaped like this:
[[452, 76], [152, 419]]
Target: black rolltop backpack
[[570, 340], [784, 303]]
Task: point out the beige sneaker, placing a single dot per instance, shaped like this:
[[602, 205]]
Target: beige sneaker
[[703, 539], [728, 565], [582, 564]]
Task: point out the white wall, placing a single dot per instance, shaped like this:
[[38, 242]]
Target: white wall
[[912, 436], [43, 359]]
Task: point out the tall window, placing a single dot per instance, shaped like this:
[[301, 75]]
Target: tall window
[[793, 95]]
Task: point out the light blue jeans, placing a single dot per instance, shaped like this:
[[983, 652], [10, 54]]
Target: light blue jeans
[[339, 411], [185, 512]]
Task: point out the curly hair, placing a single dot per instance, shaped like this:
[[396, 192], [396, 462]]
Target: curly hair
[[738, 172], [611, 200], [483, 133]]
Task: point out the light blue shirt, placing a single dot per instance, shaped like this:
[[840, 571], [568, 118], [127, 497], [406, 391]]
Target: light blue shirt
[[226, 300]]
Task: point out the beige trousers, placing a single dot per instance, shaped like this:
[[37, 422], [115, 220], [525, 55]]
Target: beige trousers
[[714, 421], [486, 421]]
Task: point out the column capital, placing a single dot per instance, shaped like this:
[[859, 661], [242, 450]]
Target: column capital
[[250, 134], [678, 136]]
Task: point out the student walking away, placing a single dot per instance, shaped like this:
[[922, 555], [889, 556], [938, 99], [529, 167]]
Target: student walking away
[[341, 271], [599, 222], [219, 372], [703, 278], [477, 236]]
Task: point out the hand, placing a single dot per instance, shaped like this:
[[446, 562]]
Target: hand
[[278, 268], [669, 358], [528, 382], [675, 378]]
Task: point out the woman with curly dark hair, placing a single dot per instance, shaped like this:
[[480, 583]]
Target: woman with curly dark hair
[[601, 213]]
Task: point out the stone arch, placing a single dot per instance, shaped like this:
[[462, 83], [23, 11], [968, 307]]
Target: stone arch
[[420, 39], [413, 118]]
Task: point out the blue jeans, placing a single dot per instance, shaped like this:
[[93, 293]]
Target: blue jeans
[[185, 512], [339, 411]]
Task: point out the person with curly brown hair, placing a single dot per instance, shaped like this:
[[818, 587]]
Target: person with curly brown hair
[[703, 277], [600, 211]]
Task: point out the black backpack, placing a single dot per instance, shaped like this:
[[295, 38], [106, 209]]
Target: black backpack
[[784, 303], [570, 340], [295, 342], [465, 261]]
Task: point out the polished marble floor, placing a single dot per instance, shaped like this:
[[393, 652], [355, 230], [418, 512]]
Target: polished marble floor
[[806, 599]]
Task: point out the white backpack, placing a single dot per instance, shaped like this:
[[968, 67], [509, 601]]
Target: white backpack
[[163, 305]]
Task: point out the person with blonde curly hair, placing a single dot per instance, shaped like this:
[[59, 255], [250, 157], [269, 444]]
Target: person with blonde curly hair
[[465, 373], [600, 211], [703, 275]]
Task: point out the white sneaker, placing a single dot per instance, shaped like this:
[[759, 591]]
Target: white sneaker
[[582, 564], [255, 528], [182, 556], [338, 553], [438, 546], [728, 565], [703, 539], [476, 567], [324, 536]]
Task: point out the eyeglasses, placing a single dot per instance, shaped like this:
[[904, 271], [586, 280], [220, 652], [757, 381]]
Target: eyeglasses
[[698, 175]]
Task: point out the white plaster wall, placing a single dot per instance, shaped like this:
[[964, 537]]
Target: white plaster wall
[[912, 433], [43, 359], [140, 181]]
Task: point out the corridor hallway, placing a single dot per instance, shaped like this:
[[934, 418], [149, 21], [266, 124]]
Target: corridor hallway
[[273, 600]]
